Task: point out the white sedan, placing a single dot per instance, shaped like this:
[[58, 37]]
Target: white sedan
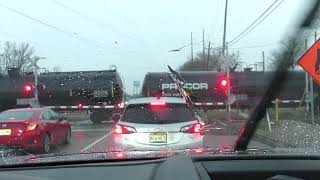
[[158, 124]]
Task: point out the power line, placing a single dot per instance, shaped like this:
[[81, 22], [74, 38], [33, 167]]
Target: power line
[[244, 47], [254, 21], [86, 16], [254, 46], [72, 10], [236, 40], [70, 34], [213, 27]]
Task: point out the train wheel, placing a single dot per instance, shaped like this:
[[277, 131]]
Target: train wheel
[[96, 117], [99, 117]]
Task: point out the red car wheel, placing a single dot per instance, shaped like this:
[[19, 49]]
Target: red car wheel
[[68, 137], [46, 144]]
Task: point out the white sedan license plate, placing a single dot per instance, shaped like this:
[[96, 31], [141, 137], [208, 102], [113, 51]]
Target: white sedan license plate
[[5, 132], [158, 138]]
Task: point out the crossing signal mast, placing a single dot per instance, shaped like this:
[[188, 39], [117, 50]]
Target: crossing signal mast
[[27, 98]]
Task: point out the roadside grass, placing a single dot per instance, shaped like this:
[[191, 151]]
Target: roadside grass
[[295, 114], [291, 114]]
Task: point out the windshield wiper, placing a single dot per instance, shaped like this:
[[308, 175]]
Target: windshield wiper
[[275, 85], [180, 83]]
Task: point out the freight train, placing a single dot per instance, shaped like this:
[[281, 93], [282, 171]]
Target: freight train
[[209, 89], [101, 92]]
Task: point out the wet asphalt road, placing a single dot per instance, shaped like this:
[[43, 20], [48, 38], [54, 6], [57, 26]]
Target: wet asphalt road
[[87, 137]]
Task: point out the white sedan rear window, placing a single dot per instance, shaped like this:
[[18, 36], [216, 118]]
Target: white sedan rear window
[[159, 114]]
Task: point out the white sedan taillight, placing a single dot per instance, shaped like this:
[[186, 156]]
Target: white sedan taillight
[[193, 128], [121, 129]]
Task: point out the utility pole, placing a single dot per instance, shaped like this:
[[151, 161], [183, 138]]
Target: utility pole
[[191, 48], [203, 52], [224, 29], [263, 62], [307, 80], [208, 59], [228, 84]]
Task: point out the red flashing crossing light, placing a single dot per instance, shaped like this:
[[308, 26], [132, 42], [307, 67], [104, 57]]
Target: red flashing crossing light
[[27, 88], [80, 105], [224, 82]]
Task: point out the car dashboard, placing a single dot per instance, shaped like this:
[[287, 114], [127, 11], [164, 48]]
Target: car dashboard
[[247, 167]]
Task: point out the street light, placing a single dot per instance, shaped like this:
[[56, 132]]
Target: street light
[[174, 50], [179, 49]]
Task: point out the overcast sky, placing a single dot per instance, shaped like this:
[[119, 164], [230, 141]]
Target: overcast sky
[[136, 35]]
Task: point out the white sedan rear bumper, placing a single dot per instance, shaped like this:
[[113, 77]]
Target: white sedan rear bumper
[[127, 142]]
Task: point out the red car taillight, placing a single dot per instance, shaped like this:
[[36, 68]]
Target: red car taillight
[[193, 128], [31, 126], [121, 129]]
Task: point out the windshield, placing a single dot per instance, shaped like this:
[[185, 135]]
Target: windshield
[[16, 115], [195, 77], [157, 114]]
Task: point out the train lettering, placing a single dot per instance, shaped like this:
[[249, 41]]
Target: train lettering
[[195, 86]]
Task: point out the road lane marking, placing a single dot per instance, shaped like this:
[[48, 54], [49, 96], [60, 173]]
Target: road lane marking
[[88, 130], [95, 142]]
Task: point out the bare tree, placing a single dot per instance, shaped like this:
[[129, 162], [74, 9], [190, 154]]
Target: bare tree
[[17, 56], [234, 59], [57, 69], [215, 62], [293, 48], [199, 63]]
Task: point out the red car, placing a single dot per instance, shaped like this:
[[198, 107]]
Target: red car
[[33, 129]]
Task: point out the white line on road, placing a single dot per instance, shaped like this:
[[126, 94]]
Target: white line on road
[[95, 142], [88, 130]]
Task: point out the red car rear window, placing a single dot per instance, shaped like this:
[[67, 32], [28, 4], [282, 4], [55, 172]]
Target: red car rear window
[[16, 115]]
